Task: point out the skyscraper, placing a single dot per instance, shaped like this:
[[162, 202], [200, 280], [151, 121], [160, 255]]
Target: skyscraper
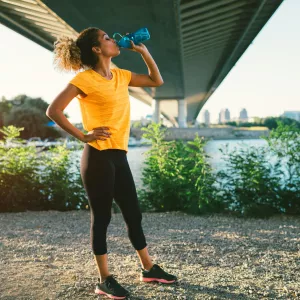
[[206, 117], [224, 115], [243, 115]]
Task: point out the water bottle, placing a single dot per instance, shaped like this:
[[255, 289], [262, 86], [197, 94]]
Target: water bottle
[[137, 37]]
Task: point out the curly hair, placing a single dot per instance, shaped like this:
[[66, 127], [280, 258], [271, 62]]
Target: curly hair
[[74, 55]]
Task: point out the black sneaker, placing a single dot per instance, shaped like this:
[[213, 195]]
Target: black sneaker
[[156, 273], [111, 288]]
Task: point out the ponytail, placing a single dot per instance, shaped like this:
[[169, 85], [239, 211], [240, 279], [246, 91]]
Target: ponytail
[[74, 55]]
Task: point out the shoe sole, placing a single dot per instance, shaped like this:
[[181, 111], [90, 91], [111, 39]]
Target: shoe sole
[[145, 279], [99, 292]]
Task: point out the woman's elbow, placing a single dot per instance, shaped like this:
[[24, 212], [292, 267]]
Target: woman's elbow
[[50, 112], [159, 83]]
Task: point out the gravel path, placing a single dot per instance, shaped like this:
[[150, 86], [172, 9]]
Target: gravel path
[[47, 255]]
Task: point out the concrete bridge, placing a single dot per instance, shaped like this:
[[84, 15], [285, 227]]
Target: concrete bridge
[[194, 42]]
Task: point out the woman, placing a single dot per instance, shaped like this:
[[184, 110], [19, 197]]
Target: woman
[[105, 107]]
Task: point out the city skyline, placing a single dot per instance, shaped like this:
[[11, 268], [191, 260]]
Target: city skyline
[[264, 80], [224, 116]]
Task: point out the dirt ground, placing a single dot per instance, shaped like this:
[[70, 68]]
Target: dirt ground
[[47, 255]]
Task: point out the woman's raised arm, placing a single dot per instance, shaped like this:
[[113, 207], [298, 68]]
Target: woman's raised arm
[[142, 80]]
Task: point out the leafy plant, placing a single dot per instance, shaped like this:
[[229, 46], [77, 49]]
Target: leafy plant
[[177, 175], [249, 183], [60, 178], [32, 180], [265, 180], [19, 184], [284, 144]]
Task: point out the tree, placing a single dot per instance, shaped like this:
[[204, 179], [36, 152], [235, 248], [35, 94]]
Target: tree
[[27, 112], [5, 107], [25, 101], [271, 122], [31, 118]]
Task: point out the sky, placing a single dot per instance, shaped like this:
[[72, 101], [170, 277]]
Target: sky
[[265, 80]]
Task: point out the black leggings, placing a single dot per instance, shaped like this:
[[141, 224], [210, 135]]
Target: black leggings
[[106, 175]]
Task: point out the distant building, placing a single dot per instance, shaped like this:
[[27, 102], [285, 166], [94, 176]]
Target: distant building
[[145, 121], [149, 117], [206, 117], [243, 115], [292, 114], [224, 116]]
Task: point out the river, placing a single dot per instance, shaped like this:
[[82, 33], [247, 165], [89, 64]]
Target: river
[[136, 155]]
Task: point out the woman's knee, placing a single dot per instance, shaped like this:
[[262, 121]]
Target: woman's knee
[[101, 221], [134, 219]]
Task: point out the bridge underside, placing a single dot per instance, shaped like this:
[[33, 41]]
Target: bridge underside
[[194, 42]]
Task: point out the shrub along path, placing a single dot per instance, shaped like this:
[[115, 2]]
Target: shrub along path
[[47, 255]]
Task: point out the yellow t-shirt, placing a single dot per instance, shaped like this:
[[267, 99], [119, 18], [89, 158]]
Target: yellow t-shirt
[[106, 104]]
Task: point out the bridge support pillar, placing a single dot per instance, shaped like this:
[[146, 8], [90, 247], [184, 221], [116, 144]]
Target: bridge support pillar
[[155, 111], [182, 113]]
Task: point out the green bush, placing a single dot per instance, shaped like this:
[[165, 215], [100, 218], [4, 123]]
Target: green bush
[[177, 175], [256, 181], [249, 184], [262, 181], [32, 180], [61, 180], [19, 184], [284, 144]]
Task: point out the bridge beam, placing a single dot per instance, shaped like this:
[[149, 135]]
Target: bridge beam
[[182, 113]]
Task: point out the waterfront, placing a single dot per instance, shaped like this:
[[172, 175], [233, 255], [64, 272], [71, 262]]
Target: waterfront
[[136, 155]]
